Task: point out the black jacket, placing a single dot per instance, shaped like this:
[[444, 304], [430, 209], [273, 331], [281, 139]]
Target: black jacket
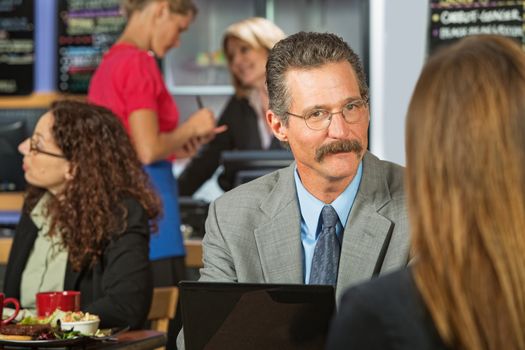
[[242, 134], [384, 313], [119, 288]]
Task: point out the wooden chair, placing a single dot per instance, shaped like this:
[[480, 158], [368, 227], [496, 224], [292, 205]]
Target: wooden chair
[[163, 308], [193, 253]]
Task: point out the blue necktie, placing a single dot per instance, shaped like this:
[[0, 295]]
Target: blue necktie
[[325, 261]]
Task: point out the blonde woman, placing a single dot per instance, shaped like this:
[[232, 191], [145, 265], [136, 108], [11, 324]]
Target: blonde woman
[[465, 143], [246, 45]]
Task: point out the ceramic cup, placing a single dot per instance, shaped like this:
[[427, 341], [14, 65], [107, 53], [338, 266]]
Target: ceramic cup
[[48, 302]]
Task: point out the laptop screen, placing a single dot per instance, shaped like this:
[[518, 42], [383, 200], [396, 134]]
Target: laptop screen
[[255, 316]]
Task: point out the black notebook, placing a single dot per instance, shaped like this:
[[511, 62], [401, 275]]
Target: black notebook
[[255, 316]]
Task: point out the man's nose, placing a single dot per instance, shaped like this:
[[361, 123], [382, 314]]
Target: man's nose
[[337, 126]]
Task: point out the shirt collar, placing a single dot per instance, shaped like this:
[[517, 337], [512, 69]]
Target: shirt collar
[[39, 215], [311, 207]]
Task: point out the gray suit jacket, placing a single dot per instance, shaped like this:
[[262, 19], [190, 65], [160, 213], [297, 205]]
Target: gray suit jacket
[[253, 232]]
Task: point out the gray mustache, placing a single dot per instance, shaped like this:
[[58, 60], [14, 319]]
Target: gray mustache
[[338, 147]]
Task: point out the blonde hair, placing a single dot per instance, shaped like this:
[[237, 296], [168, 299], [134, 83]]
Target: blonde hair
[[177, 6], [259, 33], [465, 142]]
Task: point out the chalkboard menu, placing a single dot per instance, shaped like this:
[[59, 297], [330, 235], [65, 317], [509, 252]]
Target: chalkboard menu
[[17, 48], [451, 20], [86, 30]]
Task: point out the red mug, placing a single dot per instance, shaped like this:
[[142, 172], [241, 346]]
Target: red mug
[[4, 301], [48, 302]]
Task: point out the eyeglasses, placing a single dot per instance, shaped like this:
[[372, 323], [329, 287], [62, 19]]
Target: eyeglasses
[[320, 119], [34, 149]]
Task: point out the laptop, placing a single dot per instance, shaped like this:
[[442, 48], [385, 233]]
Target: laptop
[[255, 316]]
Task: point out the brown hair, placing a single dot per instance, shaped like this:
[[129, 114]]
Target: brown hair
[[90, 210], [465, 142], [304, 51], [259, 33], [177, 6]]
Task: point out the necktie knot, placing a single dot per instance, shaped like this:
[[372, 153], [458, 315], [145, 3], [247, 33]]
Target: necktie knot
[[329, 216]]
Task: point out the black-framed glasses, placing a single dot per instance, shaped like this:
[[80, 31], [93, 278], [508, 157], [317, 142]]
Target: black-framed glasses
[[319, 119], [33, 148]]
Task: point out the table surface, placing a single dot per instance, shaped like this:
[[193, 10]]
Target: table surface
[[130, 340], [133, 340]]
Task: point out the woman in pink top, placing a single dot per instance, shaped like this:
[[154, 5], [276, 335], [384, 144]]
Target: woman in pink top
[[129, 82]]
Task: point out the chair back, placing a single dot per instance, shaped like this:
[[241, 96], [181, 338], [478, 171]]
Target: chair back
[[163, 307]]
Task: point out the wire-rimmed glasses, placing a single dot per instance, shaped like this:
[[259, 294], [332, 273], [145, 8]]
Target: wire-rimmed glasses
[[320, 119]]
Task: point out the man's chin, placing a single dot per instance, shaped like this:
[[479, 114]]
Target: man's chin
[[341, 174]]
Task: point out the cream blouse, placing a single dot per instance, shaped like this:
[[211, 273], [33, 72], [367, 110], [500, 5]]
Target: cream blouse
[[46, 267]]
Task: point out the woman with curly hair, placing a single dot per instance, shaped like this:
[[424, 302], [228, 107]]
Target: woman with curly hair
[[84, 224]]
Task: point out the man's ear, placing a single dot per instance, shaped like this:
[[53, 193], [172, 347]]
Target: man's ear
[[276, 125]]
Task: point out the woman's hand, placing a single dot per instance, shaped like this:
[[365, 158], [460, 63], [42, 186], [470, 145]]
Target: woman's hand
[[184, 141], [190, 148], [201, 123]]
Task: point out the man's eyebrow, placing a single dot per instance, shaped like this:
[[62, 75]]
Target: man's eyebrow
[[344, 102]]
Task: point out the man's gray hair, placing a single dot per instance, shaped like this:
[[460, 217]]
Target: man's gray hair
[[305, 50]]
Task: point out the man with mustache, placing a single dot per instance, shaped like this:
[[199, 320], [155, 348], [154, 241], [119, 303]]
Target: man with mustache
[[277, 229]]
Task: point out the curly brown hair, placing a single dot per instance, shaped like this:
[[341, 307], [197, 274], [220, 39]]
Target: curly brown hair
[[89, 213]]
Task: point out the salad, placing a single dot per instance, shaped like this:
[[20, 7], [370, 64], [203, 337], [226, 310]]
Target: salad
[[76, 316], [54, 321]]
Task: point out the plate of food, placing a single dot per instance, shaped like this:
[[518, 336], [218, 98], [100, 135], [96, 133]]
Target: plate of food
[[59, 330]]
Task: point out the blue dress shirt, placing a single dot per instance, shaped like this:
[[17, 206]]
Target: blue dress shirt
[[310, 208]]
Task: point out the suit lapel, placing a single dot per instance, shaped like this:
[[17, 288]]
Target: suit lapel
[[278, 239], [366, 230]]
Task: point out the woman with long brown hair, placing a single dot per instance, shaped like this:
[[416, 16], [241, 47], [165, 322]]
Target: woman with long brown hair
[[85, 221], [465, 142]]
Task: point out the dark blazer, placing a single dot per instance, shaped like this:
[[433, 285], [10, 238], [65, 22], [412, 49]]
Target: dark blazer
[[242, 134], [119, 288], [384, 313]]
